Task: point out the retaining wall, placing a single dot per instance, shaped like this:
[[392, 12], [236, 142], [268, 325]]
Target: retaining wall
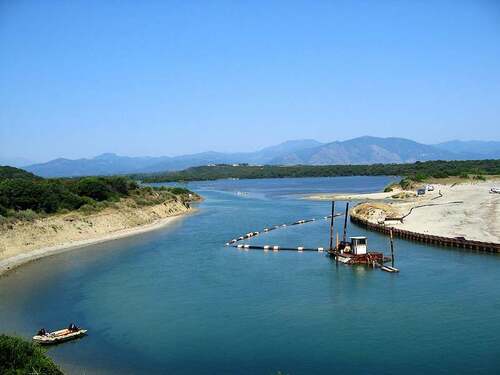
[[489, 247]]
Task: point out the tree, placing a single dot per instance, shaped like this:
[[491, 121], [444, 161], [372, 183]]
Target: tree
[[18, 357], [93, 187]]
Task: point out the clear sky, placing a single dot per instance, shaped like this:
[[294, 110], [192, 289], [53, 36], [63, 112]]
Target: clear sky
[[79, 78]]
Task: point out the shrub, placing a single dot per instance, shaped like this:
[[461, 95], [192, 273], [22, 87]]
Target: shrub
[[21, 194], [402, 195], [406, 183], [37, 195], [121, 185], [178, 190], [140, 201], [420, 177], [391, 187], [18, 356], [440, 174], [93, 187], [88, 208], [28, 215]]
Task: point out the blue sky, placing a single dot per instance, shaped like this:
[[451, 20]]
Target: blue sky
[[78, 78]]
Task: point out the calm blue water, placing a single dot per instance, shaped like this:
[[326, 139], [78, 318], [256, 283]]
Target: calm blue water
[[177, 301]]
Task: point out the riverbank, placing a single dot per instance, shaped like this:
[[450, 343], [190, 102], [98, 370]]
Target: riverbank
[[25, 241], [351, 197], [465, 210]]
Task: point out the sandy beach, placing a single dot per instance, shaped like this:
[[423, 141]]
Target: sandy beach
[[350, 197], [466, 210], [27, 241]]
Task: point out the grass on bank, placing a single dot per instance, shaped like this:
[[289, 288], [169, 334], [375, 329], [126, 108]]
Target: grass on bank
[[20, 357]]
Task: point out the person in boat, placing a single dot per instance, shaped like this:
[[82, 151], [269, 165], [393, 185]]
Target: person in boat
[[42, 332], [73, 328]]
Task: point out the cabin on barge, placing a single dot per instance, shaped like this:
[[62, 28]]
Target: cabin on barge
[[356, 251]]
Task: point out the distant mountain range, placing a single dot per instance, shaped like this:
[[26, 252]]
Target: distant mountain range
[[362, 150]]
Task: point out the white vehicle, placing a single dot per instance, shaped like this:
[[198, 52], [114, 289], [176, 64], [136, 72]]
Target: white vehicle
[[430, 188], [495, 190]]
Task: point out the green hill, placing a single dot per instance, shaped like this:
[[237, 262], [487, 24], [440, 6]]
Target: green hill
[[418, 170], [7, 172], [23, 195]]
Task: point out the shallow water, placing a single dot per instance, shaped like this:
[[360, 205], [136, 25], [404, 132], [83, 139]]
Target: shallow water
[[177, 301]]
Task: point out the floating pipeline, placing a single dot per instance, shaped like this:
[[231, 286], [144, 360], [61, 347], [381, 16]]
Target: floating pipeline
[[300, 249], [274, 227], [278, 248]]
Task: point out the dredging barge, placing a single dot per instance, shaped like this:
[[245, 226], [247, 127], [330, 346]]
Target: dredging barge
[[356, 251], [350, 252]]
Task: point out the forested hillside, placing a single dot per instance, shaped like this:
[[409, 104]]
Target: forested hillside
[[22, 194], [419, 170]]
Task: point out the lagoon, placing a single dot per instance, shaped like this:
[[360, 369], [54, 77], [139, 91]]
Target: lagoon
[[176, 300]]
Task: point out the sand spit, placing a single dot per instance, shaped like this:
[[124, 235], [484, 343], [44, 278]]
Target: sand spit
[[26, 241], [349, 197], [466, 210]]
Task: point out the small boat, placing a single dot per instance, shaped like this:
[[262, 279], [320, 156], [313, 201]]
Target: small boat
[[59, 336], [344, 259], [389, 269]]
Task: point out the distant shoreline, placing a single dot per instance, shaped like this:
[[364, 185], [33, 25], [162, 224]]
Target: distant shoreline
[[12, 262], [245, 171]]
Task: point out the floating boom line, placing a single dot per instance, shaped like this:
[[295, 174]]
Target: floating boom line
[[279, 226]]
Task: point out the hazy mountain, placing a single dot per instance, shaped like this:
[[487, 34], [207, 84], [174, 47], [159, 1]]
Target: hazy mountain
[[362, 150], [366, 150], [284, 148], [186, 161], [107, 164], [473, 149]]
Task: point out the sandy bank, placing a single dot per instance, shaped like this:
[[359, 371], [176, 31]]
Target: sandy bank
[[465, 210], [349, 197], [27, 241]]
